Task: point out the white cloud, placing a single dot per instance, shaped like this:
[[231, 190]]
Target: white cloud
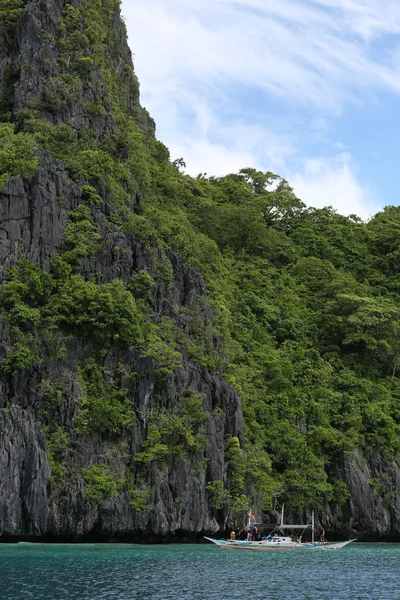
[[288, 48], [228, 149], [368, 18], [210, 70], [332, 182]]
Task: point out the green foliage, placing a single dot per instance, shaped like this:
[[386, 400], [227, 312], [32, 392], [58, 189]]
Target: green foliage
[[7, 94], [239, 507], [261, 483], [23, 315], [141, 286], [162, 346], [163, 269], [23, 355], [175, 436], [57, 443], [154, 447], [59, 140], [382, 487], [22, 296], [141, 498], [105, 408], [17, 154], [51, 397], [90, 195], [234, 455], [63, 304], [101, 483], [10, 11], [167, 359], [94, 165], [340, 492], [80, 235], [103, 314], [60, 92], [218, 494], [26, 284]]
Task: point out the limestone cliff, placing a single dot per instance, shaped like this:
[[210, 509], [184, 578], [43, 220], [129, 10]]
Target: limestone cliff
[[104, 435], [33, 216], [32, 226]]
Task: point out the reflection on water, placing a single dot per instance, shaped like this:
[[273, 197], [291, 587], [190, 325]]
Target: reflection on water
[[196, 572]]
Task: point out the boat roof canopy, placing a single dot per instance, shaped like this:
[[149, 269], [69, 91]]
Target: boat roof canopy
[[293, 526]]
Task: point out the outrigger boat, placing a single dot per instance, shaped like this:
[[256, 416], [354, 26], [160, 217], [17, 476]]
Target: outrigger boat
[[282, 542]]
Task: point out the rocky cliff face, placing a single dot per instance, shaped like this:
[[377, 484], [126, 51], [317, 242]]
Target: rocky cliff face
[[24, 472], [372, 509], [32, 221], [48, 488], [33, 215], [30, 64]]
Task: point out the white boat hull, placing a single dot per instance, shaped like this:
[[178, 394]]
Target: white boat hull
[[270, 546]]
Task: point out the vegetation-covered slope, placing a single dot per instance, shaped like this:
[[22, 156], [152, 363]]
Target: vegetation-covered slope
[[307, 304], [306, 318]]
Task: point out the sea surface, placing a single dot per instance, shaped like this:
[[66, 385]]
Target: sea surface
[[196, 572]]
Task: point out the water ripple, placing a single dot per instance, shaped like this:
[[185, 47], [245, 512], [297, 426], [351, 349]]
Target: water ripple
[[195, 572]]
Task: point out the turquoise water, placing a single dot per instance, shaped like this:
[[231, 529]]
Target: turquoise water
[[196, 572]]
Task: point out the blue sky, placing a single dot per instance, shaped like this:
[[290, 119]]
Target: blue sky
[[309, 89]]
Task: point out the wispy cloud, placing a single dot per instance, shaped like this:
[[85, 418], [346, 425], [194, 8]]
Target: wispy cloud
[[297, 49], [326, 182], [226, 149], [200, 62]]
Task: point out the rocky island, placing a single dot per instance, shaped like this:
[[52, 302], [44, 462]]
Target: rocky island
[[175, 351]]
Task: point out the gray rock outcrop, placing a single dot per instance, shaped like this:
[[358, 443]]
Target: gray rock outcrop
[[32, 221], [24, 471]]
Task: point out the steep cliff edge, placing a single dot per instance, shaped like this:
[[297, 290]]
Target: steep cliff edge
[[55, 63], [119, 415], [49, 391]]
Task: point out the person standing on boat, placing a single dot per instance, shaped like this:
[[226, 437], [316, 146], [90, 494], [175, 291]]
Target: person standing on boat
[[232, 536]]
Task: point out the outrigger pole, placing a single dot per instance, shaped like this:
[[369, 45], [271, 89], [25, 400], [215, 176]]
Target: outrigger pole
[[312, 527]]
